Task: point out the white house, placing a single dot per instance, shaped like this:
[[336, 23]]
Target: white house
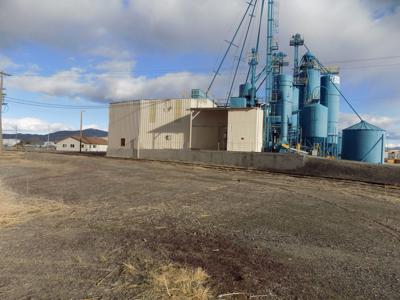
[[88, 144]]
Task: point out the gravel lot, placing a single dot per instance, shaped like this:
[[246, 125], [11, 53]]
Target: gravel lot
[[70, 226]]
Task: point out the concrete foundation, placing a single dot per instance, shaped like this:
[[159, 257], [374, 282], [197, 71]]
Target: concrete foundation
[[285, 163]]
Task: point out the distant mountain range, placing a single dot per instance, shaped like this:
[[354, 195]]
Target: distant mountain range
[[55, 136]]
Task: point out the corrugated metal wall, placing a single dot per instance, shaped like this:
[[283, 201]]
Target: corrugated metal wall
[[165, 124], [154, 124], [245, 130], [124, 124]]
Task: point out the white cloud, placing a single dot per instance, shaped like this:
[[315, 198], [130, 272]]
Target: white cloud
[[63, 84], [116, 66], [6, 63], [344, 28], [91, 126], [339, 30], [391, 125], [30, 124], [75, 83]]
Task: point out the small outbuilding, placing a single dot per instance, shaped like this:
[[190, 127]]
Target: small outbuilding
[[88, 144]]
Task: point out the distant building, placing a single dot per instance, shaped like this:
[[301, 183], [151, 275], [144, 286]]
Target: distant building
[[49, 145], [88, 144], [392, 155], [10, 142]]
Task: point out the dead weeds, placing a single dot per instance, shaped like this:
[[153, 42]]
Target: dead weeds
[[172, 282], [16, 209]]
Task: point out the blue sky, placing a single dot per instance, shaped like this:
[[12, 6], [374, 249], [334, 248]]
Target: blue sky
[[88, 52]]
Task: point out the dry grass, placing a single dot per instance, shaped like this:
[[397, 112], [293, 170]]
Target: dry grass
[[17, 209], [172, 282], [168, 282]]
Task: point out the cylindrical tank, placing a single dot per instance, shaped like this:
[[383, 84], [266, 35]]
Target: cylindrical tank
[[311, 77], [302, 96], [330, 98], [313, 83], [315, 122], [285, 103], [364, 142]]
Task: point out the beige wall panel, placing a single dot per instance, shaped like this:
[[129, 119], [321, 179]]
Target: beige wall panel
[[170, 127], [245, 130], [155, 124], [124, 124]]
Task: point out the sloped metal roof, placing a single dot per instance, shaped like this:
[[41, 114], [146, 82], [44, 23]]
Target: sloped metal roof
[[363, 125]]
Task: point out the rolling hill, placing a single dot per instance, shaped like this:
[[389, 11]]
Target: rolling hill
[[55, 136]]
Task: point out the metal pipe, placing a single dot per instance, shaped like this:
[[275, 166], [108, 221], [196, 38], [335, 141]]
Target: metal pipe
[[229, 47], [241, 52], [270, 50]]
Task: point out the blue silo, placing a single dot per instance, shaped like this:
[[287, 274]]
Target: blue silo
[[285, 104], [302, 89], [330, 97], [314, 120], [364, 142], [309, 96], [311, 78]]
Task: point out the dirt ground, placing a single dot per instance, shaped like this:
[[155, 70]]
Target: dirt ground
[[95, 228]]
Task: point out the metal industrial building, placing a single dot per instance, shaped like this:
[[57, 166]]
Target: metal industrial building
[[182, 124]]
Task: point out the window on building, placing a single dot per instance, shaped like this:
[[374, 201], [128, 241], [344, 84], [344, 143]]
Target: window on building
[[94, 146], [64, 145], [72, 146], [123, 142], [82, 145]]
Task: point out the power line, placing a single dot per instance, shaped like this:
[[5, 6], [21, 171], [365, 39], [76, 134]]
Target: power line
[[363, 59], [137, 72], [371, 66], [336, 87], [53, 105]]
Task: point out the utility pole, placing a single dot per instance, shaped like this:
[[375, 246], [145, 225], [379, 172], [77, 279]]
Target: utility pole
[[2, 74], [48, 138], [81, 133]]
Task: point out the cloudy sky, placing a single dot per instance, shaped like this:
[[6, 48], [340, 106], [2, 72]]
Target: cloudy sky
[[88, 52]]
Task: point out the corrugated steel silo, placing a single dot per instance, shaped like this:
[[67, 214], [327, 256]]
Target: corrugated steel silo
[[315, 123], [330, 98], [311, 77], [364, 142]]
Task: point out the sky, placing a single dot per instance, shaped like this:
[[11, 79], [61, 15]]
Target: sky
[[90, 52]]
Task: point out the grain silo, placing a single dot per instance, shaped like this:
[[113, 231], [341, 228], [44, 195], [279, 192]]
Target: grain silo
[[364, 142]]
